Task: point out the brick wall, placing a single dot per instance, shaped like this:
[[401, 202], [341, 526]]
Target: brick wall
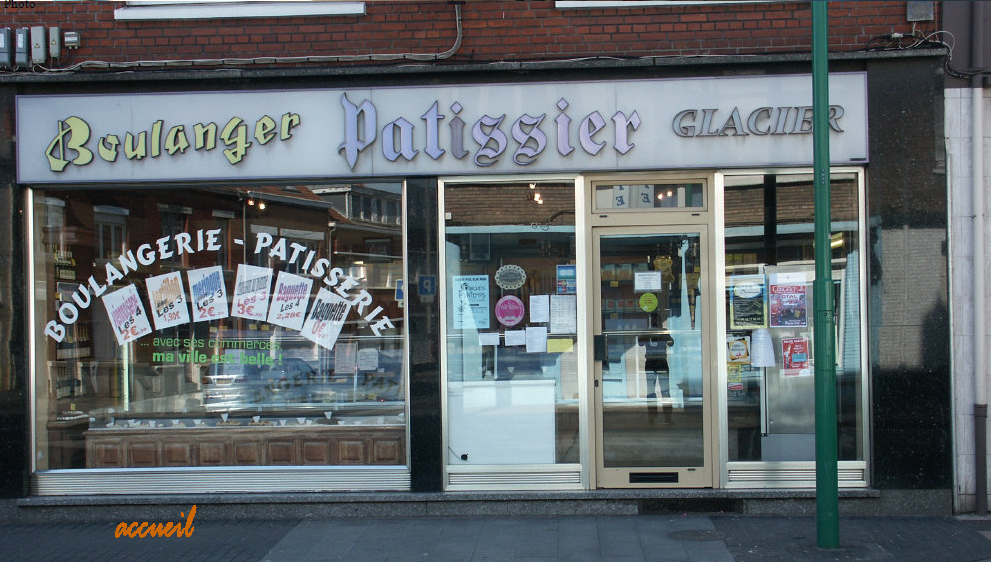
[[493, 31]]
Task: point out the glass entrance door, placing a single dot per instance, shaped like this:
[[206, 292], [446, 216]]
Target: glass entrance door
[[652, 357]]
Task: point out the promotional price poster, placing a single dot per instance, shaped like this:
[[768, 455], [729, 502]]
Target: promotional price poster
[[326, 318], [795, 352], [206, 286], [127, 314], [289, 300], [251, 292], [789, 307], [748, 302], [168, 300]]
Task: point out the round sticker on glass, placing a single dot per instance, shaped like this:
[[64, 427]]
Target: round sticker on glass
[[509, 310], [648, 302], [510, 277]]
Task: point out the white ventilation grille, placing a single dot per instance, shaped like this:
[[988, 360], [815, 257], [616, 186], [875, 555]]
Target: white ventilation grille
[[220, 480], [515, 480], [791, 477]]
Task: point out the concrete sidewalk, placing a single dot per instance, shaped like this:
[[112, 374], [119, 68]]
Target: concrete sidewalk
[[681, 538]]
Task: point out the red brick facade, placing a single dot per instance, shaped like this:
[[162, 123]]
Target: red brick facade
[[492, 31]]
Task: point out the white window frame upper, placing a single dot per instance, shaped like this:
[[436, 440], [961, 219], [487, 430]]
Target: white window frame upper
[[599, 4], [145, 10]]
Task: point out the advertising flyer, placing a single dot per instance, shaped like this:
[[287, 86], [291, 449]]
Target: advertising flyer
[[326, 318], [747, 302], [470, 301], [289, 300], [738, 349], [127, 314], [206, 286], [787, 301], [795, 352], [567, 279], [251, 292], [168, 300]]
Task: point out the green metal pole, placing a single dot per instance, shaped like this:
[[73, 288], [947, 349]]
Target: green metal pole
[[827, 489]]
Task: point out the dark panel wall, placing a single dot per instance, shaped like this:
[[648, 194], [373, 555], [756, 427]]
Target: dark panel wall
[[425, 444], [13, 364], [909, 330]]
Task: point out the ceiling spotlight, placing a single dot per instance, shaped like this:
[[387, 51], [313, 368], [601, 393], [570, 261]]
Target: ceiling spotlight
[[251, 202], [533, 186], [261, 205]]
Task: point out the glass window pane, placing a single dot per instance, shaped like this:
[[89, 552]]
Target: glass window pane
[[511, 324], [191, 328], [649, 196], [770, 266]]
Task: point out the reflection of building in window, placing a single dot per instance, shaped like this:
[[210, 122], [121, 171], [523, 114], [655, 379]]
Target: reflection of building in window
[[174, 221], [111, 230]]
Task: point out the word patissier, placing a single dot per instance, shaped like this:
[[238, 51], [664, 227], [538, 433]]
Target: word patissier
[[208, 240]]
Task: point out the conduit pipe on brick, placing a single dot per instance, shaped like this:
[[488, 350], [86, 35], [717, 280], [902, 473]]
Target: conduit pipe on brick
[[977, 187], [222, 62]]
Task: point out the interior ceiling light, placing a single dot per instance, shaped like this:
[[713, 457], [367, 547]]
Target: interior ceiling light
[[261, 204]]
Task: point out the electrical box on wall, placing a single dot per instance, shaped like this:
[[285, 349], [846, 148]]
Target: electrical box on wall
[[39, 46], [6, 50], [21, 41], [54, 42]]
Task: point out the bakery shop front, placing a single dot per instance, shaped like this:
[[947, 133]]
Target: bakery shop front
[[611, 281]]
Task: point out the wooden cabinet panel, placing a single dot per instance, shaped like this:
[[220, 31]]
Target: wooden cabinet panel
[[177, 454], [211, 453], [246, 446]]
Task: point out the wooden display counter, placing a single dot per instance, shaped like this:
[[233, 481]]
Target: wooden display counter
[[246, 446]]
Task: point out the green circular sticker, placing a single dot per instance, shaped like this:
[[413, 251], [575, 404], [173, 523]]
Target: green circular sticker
[[648, 302]]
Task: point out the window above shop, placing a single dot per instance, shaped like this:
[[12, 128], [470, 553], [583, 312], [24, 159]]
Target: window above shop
[[217, 9]]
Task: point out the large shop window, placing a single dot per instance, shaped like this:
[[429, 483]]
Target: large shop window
[[512, 380], [770, 266], [217, 326]]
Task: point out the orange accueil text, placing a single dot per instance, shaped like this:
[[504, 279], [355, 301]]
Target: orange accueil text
[[145, 529]]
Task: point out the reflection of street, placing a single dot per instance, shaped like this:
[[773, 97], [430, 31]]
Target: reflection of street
[[632, 438]]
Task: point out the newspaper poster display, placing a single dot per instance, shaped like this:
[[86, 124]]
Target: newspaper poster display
[[168, 300], [289, 300], [748, 302], [787, 301], [251, 287], [127, 314], [326, 318], [206, 286]]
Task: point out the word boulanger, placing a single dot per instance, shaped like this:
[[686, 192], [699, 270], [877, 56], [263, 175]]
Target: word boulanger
[[71, 144], [145, 529], [361, 132]]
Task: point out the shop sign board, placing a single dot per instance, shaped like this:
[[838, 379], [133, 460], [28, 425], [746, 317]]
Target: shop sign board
[[435, 130]]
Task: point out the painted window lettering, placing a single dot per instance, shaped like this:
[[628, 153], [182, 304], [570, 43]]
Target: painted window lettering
[[72, 143], [399, 137]]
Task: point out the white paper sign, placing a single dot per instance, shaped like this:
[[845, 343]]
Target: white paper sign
[[289, 300], [209, 295], [127, 314], [346, 358], [646, 281], [368, 359], [168, 300], [539, 308], [488, 338], [536, 339], [251, 292], [326, 318], [564, 314], [515, 337]]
